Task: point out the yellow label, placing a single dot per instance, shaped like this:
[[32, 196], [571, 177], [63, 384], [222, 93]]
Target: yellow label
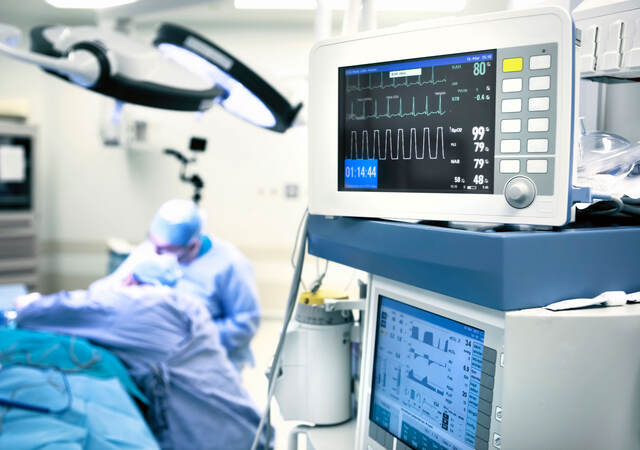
[[512, 65]]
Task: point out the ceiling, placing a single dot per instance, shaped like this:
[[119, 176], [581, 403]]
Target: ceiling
[[215, 12]]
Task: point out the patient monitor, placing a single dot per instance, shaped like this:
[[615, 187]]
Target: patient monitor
[[466, 119], [441, 373]]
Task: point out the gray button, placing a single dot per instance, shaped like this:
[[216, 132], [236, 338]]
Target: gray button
[[482, 433], [489, 368], [481, 445], [486, 394], [487, 381], [520, 192], [489, 354], [498, 413], [484, 406], [484, 420]]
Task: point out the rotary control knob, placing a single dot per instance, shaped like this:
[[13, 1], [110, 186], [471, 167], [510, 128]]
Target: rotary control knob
[[520, 192]]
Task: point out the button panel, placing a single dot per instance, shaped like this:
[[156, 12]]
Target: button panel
[[509, 166], [510, 146], [539, 83], [540, 62], [538, 145], [487, 385], [537, 166], [538, 125], [512, 85], [512, 105], [526, 116], [511, 126], [512, 64], [538, 104]]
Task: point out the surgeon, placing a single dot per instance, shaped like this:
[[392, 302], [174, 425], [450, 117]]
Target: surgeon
[[212, 268], [171, 348]]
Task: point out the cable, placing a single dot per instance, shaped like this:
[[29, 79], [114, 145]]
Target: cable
[[317, 284], [295, 244], [609, 206], [11, 403], [291, 304], [631, 209], [630, 200]]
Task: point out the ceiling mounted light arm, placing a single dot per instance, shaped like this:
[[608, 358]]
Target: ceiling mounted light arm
[[248, 95], [131, 71], [80, 64]]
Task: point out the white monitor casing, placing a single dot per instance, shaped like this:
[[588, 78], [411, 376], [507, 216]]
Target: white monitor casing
[[504, 30]]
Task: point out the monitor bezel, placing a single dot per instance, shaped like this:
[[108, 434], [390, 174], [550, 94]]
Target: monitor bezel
[[375, 350], [491, 321]]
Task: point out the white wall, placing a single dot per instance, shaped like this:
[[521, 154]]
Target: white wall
[[87, 193]]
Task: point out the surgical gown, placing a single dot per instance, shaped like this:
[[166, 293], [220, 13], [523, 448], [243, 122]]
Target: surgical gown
[[224, 278], [172, 350]]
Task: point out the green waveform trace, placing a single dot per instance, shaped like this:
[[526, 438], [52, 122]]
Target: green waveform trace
[[395, 84], [364, 116]]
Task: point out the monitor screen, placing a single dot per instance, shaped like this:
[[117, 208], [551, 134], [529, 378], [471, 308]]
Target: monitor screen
[[419, 125], [426, 377], [15, 173]]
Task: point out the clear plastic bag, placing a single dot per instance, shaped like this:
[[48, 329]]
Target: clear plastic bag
[[608, 164]]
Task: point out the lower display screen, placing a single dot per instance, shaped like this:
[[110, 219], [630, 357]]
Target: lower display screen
[[420, 125], [426, 377]]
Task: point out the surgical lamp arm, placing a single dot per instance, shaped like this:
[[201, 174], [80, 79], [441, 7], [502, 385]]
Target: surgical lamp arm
[[195, 180], [80, 65]]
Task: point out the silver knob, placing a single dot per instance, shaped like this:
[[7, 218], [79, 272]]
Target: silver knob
[[520, 192]]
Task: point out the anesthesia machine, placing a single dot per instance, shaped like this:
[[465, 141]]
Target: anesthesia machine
[[473, 119]]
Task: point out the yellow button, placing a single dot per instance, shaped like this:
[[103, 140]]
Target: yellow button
[[512, 65]]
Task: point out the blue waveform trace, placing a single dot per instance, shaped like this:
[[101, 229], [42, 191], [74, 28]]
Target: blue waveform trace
[[425, 382], [430, 361], [394, 83], [427, 338]]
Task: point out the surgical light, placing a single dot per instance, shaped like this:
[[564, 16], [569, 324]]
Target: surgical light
[[182, 71], [88, 4], [247, 95], [113, 64]]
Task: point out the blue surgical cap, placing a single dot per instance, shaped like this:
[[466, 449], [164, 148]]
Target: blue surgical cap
[[158, 270], [177, 222]]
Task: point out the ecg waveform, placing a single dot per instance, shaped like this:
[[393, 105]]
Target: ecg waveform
[[368, 108], [383, 144], [376, 81]]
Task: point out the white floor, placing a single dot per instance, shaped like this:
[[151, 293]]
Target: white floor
[[255, 380]]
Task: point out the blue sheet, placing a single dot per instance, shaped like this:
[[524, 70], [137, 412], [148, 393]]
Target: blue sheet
[[172, 350], [68, 353], [102, 415], [223, 277]]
